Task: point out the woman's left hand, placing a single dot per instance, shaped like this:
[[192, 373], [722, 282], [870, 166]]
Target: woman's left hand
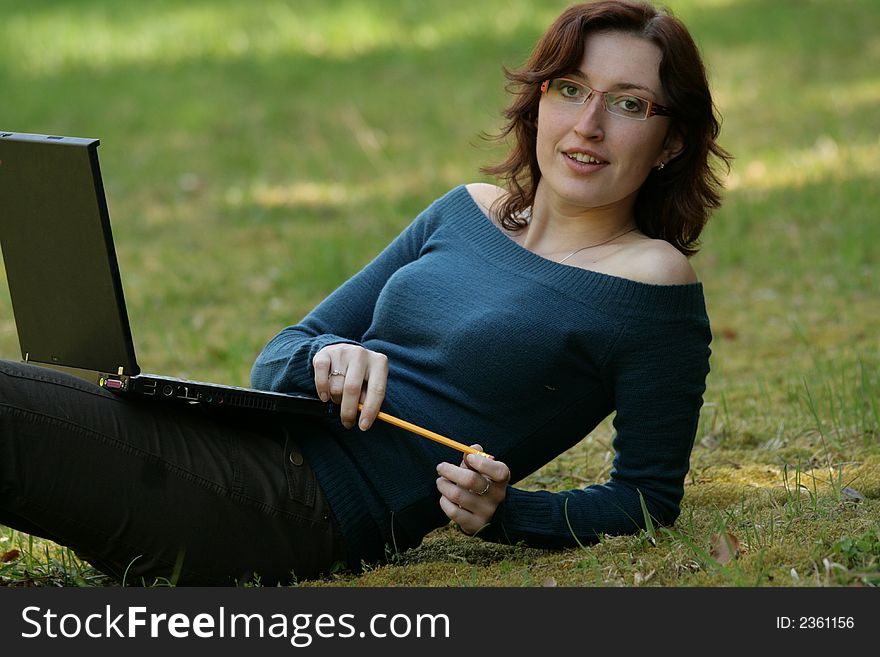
[[471, 492]]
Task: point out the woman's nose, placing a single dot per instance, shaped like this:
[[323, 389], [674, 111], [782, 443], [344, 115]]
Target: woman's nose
[[591, 118]]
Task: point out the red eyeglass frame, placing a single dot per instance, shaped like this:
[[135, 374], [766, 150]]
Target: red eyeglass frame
[[653, 108]]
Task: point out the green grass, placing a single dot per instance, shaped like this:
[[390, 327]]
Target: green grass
[[265, 153]]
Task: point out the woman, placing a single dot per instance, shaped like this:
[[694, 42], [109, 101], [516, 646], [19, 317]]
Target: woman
[[515, 318]]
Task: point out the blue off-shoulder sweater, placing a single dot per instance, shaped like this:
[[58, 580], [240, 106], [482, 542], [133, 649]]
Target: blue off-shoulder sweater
[[489, 343]]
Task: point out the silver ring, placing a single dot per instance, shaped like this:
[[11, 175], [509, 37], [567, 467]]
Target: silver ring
[[486, 489], [337, 373]]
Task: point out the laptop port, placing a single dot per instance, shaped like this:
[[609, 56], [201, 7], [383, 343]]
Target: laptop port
[[183, 392], [112, 384]]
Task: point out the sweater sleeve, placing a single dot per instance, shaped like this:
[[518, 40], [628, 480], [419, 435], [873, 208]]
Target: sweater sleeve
[[657, 372], [285, 363]]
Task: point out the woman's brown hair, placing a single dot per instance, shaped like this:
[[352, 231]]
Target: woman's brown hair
[[674, 203]]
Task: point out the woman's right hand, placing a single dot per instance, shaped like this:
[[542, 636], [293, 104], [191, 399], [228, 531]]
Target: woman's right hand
[[348, 375]]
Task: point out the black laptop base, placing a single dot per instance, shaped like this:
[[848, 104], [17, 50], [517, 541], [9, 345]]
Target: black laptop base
[[163, 388]]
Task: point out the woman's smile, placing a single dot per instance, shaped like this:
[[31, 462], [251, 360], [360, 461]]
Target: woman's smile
[[584, 161]]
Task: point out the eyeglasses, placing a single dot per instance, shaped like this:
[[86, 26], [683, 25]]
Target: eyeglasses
[[569, 92]]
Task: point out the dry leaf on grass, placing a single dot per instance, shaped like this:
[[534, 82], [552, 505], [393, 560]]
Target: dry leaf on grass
[[640, 579], [724, 547], [10, 555], [852, 494]]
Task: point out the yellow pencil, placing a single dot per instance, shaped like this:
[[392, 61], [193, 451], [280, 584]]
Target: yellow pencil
[[426, 433]]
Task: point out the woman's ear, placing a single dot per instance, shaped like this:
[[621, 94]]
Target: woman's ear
[[672, 146]]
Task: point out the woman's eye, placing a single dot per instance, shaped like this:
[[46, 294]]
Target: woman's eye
[[570, 91], [631, 104]]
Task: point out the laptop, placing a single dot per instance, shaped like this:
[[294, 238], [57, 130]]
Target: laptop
[[65, 284]]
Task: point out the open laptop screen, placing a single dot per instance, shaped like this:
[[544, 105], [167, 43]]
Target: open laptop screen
[[58, 251]]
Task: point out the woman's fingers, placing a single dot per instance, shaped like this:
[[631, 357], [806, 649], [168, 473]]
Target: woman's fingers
[[460, 495], [469, 483], [495, 471], [349, 375], [321, 364], [374, 390], [351, 388], [471, 492], [467, 521], [465, 508]]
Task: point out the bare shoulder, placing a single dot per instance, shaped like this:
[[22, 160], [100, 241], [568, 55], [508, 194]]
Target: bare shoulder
[[485, 194], [659, 263]]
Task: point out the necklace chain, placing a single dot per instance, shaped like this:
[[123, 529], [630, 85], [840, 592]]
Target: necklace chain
[[593, 246]]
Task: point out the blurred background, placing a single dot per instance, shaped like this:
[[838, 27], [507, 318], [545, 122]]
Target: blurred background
[[255, 155]]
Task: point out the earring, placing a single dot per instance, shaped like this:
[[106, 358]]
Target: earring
[[660, 166]]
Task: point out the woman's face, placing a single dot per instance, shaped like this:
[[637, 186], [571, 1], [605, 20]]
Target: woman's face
[[592, 159]]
